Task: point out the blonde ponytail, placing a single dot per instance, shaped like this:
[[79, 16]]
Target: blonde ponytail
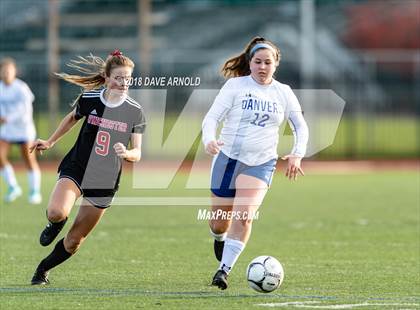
[[94, 69]]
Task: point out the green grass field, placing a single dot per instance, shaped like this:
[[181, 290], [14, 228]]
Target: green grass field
[[345, 241]]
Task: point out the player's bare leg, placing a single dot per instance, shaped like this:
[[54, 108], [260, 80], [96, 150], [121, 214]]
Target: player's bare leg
[[4, 151], [61, 201], [34, 174], [28, 157], [86, 219], [219, 225], [250, 193], [7, 172]]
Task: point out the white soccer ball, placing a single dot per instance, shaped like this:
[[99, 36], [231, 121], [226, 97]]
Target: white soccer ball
[[264, 274]]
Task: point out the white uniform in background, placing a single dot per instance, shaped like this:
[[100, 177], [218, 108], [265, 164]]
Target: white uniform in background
[[252, 116], [16, 107]]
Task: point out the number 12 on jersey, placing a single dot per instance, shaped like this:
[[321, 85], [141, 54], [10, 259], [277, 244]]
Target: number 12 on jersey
[[260, 121], [102, 140]]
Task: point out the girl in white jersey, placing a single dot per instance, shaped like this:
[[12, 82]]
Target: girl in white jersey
[[17, 127], [253, 105]]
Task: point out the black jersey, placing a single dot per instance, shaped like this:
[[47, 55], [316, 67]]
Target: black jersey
[[103, 127]]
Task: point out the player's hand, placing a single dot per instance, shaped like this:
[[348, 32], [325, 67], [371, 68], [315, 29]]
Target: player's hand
[[40, 145], [213, 147], [293, 166], [121, 150], [2, 120]]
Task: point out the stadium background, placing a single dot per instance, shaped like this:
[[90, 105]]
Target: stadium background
[[347, 234]]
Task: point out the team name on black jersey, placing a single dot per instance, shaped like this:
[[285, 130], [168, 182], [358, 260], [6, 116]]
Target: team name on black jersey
[[104, 126]]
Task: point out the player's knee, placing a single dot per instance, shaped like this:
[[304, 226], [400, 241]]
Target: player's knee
[[219, 226], [56, 215]]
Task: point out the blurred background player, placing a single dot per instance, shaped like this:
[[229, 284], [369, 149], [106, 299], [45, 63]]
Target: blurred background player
[[17, 127], [253, 105], [92, 168]]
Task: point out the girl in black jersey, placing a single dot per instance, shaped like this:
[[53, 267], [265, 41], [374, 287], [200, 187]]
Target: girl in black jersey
[[92, 167]]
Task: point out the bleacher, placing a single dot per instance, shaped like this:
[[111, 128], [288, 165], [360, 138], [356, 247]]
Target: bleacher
[[190, 37]]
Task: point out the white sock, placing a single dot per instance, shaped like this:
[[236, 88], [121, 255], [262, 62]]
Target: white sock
[[231, 251], [9, 175], [218, 237], [34, 180]]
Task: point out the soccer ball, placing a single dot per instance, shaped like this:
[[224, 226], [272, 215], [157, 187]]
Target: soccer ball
[[264, 274]]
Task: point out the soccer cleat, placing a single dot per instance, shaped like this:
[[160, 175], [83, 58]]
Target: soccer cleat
[[35, 198], [50, 232], [13, 193], [220, 279], [40, 277], [218, 249]]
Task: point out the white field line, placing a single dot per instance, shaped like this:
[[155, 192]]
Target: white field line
[[315, 305]]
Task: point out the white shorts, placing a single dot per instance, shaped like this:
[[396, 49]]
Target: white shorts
[[17, 132]]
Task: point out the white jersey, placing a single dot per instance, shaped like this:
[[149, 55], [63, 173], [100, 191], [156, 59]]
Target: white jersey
[[16, 108], [252, 116]]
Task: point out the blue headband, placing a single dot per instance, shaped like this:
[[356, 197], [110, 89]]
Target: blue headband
[[259, 46]]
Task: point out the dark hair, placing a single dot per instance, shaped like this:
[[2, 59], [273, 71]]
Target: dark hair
[[239, 65]]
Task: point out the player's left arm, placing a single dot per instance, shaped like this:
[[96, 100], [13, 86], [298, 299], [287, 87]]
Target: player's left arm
[[301, 136], [133, 154]]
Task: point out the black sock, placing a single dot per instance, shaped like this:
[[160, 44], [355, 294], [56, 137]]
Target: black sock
[[56, 257]]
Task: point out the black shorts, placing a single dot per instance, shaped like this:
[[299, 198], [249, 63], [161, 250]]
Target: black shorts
[[99, 197], [18, 142]]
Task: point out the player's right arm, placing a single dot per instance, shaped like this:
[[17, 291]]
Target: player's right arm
[[66, 124], [221, 106]]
